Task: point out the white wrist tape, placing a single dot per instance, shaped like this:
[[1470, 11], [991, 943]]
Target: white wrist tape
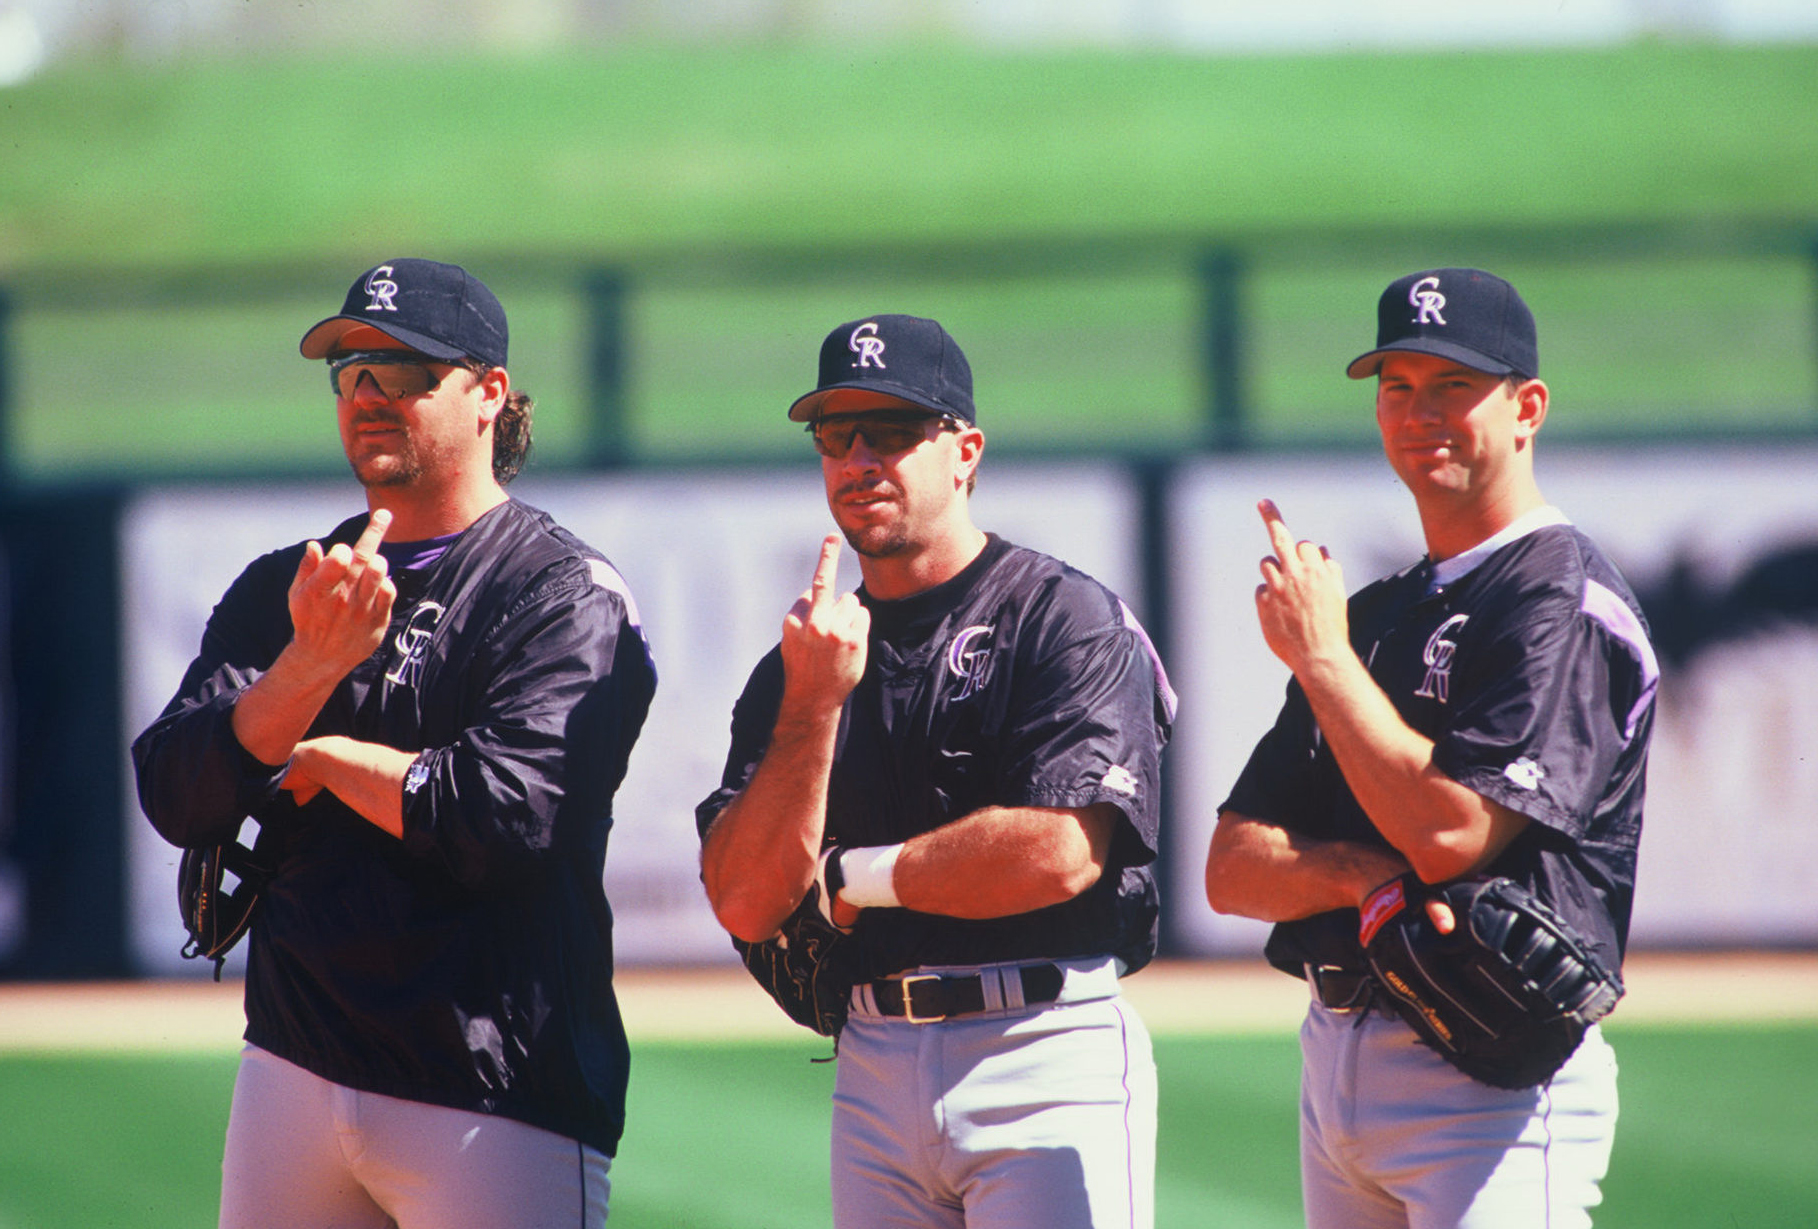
[[870, 873]]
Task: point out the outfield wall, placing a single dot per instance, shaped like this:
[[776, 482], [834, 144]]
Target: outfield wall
[[1721, 543]]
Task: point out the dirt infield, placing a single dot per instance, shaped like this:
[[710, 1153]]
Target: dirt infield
[[723, 1003]]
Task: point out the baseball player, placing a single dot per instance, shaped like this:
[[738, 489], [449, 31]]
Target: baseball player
[[1487, 710], [428, 713], [961, 761]]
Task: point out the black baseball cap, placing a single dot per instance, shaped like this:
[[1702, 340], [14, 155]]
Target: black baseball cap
[[1467, 315], [905, 357], [440, 310]]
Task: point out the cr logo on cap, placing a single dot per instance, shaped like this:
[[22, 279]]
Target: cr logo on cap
[[867, 345], [381, 288], [1425, 295]]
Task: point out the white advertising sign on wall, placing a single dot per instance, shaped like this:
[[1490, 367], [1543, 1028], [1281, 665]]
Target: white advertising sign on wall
[[713, 559], [1721, 544]]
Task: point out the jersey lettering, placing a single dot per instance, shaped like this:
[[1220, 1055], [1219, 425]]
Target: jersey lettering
[[412, 644], [1438, 655], [969, 663]]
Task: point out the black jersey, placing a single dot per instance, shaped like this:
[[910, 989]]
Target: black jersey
[[470, 963], [1019, 682], [1526, 660]]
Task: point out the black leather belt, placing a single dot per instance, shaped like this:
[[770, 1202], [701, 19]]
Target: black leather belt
[[1338, 989], [927, 997]]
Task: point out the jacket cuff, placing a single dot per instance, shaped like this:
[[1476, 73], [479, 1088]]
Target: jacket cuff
[[255, 783]]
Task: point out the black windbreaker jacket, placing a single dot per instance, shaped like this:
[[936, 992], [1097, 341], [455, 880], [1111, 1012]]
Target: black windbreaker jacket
[[469, 964], [1018, 682], [1527, 662]]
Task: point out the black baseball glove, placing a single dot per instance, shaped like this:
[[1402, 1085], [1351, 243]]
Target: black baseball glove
[[216, 916], [1506, 997], [808, 968]]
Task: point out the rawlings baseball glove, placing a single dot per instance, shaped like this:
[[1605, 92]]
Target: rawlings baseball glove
[[808, 968], [1506, 997], [215, 916]]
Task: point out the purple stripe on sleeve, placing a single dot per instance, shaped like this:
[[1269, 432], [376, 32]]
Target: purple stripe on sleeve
[[1605, 606], [1164, 688]]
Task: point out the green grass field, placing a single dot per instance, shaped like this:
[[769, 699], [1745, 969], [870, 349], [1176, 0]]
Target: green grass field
[[1717, 1130], [660, 148], [1655, 202]]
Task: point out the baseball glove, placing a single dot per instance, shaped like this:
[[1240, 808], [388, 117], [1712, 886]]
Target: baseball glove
[[215, 916], [1506, 997], [808, 968]]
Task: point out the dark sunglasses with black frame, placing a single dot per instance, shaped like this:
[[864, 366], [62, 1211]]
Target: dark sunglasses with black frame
[[398, 373], [886, 432]]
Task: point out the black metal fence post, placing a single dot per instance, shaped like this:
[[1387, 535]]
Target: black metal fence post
[[6, 389], [1155, 480], [1221, 274], [608, 431], [1811, 252]]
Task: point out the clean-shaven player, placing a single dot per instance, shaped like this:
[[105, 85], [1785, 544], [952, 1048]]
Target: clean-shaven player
[[1487, 710]]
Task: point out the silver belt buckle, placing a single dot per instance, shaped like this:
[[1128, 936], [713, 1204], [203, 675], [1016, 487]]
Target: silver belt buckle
[[909, 999]]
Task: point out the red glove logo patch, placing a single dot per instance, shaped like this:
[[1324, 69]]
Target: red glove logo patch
[[1378, 907]]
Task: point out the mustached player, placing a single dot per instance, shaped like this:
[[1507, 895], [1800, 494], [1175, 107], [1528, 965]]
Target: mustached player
[[963, 757], [1485, 711], [427, 714]]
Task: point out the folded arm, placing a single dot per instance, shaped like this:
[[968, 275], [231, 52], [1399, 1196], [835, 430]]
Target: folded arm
[[1001, 861], [1261, 870], [758, 857], [1444, 829]]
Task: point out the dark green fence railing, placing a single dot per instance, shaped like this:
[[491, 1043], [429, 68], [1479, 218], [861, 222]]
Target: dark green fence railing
[[1146, 345], [1151, 350]]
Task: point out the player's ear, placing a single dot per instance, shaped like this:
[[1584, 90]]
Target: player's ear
[[971, 449], [1530, 408], [493, 385]]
